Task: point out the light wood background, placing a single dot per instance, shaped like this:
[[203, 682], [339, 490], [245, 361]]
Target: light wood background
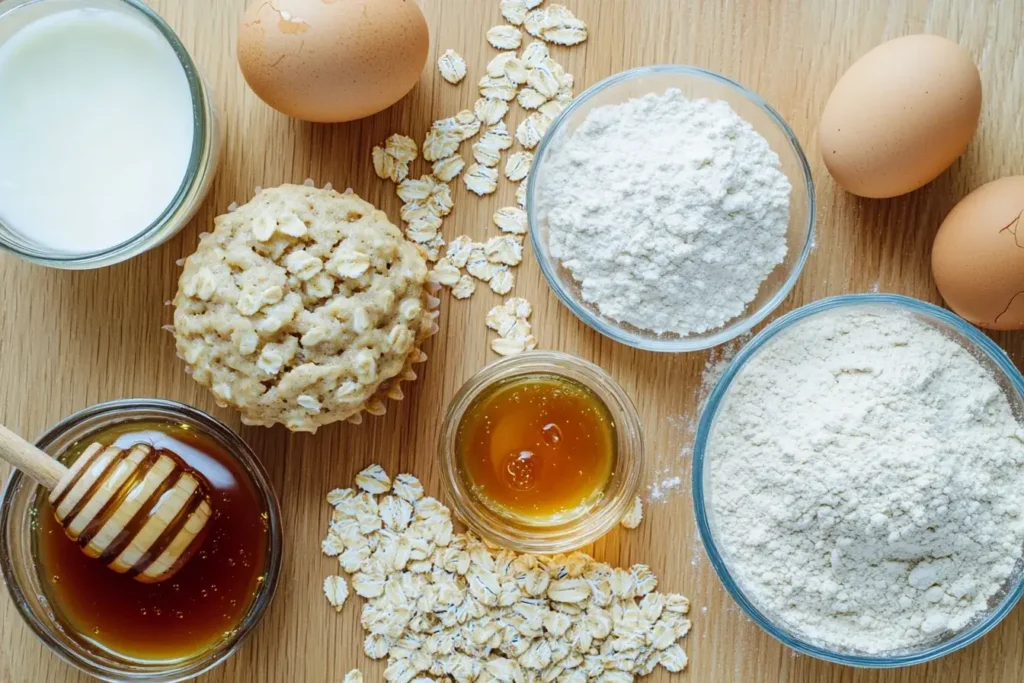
[[71, 339]]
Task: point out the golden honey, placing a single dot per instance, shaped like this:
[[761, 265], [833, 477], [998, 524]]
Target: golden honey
[[199, 606], [537, 447]]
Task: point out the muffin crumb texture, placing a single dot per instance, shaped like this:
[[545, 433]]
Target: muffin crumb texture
[[303, 307]]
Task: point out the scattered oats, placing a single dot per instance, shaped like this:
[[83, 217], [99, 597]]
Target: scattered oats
[[534, 54], [518, 307], [332, 546], [452, 66], [480, 179], [445, 273], [401, 148], [440, 200], [673, 658], [504, 249], [449, 607], [521, 195], [635, 514], [518, 167], [464, 288], [516, 71], [423, 230], [571, 32], [465, 124], [498, 136], [551, 109], [490, 110], [545, 78], [440, 143], [510, 219], [353, 558], [504, 37], [414, 190], [507, 347], [485, 153], [374, 480], [528, 98], [353, 676], [514, 11], [531, 131], [496, 67], [643, 578], [500, 88], [433, 248], [478, 265], [500, 320], [459, 250], [383, 163], [449, 168], [336, 590], [407, 487], [502, 280], [536, 22]]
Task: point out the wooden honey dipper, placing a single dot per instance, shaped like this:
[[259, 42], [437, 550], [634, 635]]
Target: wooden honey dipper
[[141, 511]]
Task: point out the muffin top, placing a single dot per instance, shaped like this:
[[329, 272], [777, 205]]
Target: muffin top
[[303, 307]]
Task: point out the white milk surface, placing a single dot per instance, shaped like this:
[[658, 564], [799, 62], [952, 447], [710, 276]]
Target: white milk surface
[[95, 129]]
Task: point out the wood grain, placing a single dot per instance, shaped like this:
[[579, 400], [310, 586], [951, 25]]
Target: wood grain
[[71, 339]]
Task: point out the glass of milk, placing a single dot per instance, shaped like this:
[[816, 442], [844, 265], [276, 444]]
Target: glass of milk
[[107, 132]]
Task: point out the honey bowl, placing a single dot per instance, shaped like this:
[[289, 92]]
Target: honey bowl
[[541, 452], [117, 629]]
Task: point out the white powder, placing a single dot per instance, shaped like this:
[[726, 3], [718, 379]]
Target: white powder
[[866, 481], [669, 212]]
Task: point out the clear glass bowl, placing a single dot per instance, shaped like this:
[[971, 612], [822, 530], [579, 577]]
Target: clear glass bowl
[[18, 564], [555, 537], [694, 83], [202, 165], [973, 340]]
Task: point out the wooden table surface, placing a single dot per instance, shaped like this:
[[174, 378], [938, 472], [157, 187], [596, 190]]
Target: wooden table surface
[[71, 339]]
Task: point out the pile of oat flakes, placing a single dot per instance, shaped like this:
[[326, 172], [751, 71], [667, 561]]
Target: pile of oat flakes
[[538, 84], [443, 606]]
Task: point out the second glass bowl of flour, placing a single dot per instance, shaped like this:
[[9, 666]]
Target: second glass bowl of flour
[[670, 208], [858, 476]]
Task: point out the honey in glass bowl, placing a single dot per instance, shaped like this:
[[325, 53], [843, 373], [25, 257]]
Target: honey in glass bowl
[[196, 608], [538, 446]]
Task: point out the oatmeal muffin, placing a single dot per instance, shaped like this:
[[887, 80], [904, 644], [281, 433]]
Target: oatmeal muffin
[[303, 307]]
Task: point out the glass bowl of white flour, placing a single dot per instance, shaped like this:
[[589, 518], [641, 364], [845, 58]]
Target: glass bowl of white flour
[[858, 481], [670, 208]]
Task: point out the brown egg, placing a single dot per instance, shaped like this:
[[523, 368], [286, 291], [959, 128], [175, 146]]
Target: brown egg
[[332, 60], [900, 116], [978, 257]]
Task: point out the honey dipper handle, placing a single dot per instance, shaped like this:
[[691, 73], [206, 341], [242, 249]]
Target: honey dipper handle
[[29, 459]]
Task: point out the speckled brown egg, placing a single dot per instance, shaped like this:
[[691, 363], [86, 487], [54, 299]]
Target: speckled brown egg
[[332, 60], [900, 116], [978, 257]]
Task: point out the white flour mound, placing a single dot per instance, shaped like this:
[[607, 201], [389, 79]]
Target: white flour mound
[[867, 476], [669, 212]]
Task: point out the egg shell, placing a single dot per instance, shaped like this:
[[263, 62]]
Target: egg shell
[[978, 256], [332, 60], [900, 116]]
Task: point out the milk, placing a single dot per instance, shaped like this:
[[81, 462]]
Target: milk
[[96, 129]]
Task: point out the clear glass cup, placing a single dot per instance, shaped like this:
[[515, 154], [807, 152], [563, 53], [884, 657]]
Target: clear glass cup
[[556, 536], [19, 566], [202, 165], [694, 83], [991, 357]]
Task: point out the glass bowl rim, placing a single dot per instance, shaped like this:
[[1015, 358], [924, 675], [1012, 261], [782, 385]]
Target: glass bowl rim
[[275, 551], [734, 327], [201, 134], [978, 340], [587, 528]]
